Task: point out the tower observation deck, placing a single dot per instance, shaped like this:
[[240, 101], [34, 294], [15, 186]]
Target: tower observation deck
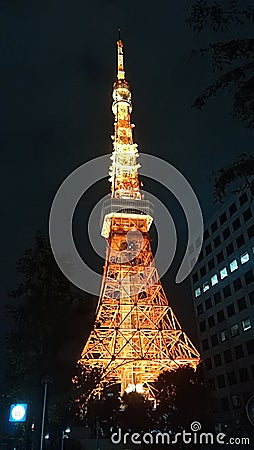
[[136, 335]]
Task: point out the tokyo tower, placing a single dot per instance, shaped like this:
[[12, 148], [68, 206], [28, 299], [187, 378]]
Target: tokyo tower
[[136, 335]]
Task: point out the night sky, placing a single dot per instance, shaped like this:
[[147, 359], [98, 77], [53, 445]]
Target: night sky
[[58, 63]]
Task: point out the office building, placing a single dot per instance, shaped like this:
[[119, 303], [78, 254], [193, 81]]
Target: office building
[[223, 292]]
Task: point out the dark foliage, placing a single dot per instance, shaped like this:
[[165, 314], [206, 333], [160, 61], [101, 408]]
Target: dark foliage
[[49, 318], [137, 413], [181, 396], [213, 15], [85, 383], [240, 172], [234, 57]]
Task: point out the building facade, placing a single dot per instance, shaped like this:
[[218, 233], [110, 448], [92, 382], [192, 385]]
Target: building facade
[[223, 292]]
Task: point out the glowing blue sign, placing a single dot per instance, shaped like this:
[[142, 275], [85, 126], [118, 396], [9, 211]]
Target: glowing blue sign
[[18, 412]]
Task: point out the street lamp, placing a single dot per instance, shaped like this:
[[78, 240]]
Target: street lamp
[[65, 435], [18, 412]]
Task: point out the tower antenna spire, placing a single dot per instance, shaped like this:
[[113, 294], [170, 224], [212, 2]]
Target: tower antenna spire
[[120, 65]]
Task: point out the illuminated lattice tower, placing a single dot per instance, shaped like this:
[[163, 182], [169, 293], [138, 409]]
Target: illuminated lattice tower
[[136, 334]]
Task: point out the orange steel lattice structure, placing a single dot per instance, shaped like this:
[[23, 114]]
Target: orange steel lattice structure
[[136, 334]]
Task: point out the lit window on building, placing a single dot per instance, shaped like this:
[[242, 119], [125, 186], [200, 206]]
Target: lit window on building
[[234, 330], [246, 324], [233, 266], [244, 258], [223, 273], [214, 280], [197, 292], [206, 286], [224, 335]]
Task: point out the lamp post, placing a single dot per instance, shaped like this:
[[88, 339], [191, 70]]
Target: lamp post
[[45, 381], [65, 435], [97, 434]]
